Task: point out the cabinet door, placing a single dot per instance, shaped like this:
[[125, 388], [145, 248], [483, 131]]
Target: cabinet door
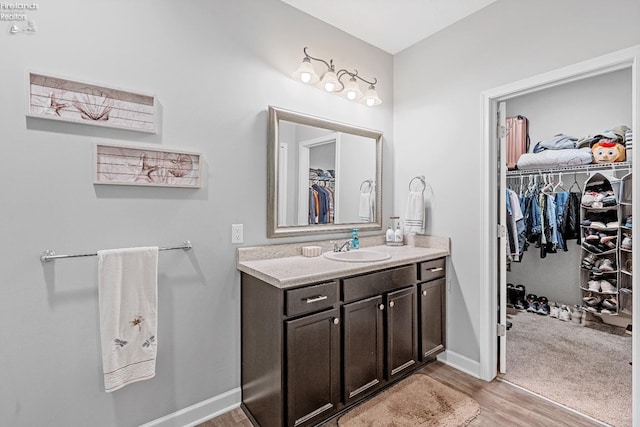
[[363, 344], [313, 366], [431, 318], [402, 331]]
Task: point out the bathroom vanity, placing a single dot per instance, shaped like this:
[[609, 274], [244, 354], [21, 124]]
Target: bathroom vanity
[[319, 335]]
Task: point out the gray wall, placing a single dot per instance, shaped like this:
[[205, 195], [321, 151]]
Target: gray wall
[[437, 116], [214, 66]]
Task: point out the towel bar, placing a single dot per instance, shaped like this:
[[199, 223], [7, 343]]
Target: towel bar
[[49, 255]]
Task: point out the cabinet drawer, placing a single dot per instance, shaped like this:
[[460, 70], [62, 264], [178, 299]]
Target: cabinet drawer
[[311, 298], [377, 283], [434, 269]]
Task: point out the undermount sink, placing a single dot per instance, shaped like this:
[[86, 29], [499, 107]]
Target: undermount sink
[[357, 255]]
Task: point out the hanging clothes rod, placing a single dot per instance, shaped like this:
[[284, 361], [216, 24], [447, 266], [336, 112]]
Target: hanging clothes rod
[[49, 255], [582, 168]]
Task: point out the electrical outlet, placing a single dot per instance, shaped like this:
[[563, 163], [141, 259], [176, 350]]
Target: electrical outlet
[[237, 235]]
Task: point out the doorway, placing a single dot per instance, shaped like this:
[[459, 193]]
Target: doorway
[[493, 183]]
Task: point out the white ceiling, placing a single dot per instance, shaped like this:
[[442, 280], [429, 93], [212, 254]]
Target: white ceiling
[[391, 25]]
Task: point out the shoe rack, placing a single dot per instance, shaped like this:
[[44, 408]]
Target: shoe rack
[[626, 239], [605, 270]]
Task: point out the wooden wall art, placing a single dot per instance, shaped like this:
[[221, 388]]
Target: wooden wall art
[[122, 165], [71, 101]]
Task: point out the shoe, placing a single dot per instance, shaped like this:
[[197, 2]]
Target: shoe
[[594, 285], [628, 330], [511, 294], [612, 225], [591, 300], [607, 288], [598, 224], [628, 223], [591, 248], [543, 306], [576, 315], [626, 243], [606, 265], [532, 303], [554, 310], [611, 303], [589, 260], [520, 301], [609, 200], [565, 314], [591, 235], [605, 239]]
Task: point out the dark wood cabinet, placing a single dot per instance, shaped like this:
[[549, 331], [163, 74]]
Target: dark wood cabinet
[[432, 305], [432, 333], [311, 351], [363, 337], [313, 366], [402, 331]]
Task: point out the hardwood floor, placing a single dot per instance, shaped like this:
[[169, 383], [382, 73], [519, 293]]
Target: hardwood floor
[[501, 404]]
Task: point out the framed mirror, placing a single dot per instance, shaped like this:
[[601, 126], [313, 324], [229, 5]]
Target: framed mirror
[[322, 176]]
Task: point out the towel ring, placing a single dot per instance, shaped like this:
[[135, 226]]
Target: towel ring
[[422, 179], [367, 181]]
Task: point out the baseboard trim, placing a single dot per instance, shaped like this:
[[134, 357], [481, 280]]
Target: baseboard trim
[[460, 362], [200, 412]]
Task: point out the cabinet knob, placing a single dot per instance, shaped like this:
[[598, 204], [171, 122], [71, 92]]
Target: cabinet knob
[[424, 293], [391, 304], [381, 306], [336, 320]]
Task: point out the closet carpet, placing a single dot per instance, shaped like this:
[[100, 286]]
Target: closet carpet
[[582, 367]]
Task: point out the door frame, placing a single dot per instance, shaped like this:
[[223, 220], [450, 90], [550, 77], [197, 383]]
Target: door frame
[[625, 58]]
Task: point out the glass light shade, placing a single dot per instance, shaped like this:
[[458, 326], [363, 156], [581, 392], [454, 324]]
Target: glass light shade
[[371, 97], [330, 82], [352, 90], [305, 72]]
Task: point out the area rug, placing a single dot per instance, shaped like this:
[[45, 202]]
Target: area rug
[[584, 368], [415, 401]]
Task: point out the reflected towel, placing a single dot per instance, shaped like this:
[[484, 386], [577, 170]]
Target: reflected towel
[[128, 300], [365, 207], [414, 214]]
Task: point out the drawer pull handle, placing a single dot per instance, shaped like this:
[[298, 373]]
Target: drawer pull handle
[[433, 270], [391, 304], [424, 293], [336, 320], [316, 299], [381, 306]]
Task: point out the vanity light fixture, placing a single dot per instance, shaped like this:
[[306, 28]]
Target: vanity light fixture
[[331, 81]]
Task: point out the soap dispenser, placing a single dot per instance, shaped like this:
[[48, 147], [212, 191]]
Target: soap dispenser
[[355, 240], [390, 236], [398, 238]]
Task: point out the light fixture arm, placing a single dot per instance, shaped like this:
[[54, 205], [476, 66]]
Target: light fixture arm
[[354, 74], [328, 64]]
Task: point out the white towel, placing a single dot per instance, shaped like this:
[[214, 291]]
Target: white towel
[[414, 213], [128, 300], [365, 212]]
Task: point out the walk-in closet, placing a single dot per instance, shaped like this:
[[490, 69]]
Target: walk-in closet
[[569, 266]]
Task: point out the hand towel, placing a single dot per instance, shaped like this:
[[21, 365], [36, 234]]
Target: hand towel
[[364, 207], [128, 300], [414, 213]]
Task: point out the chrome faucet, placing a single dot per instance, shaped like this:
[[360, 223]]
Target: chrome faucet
[[345, 246]]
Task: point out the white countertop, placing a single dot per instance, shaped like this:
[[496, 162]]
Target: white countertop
[[295, 270]]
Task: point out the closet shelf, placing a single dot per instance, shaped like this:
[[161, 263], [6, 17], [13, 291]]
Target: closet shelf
[[580, 168]]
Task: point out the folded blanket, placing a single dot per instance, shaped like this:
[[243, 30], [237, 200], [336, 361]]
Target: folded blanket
[[555, 158]]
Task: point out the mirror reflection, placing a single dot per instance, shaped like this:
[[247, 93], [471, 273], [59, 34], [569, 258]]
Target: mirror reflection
[[323, 175]]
